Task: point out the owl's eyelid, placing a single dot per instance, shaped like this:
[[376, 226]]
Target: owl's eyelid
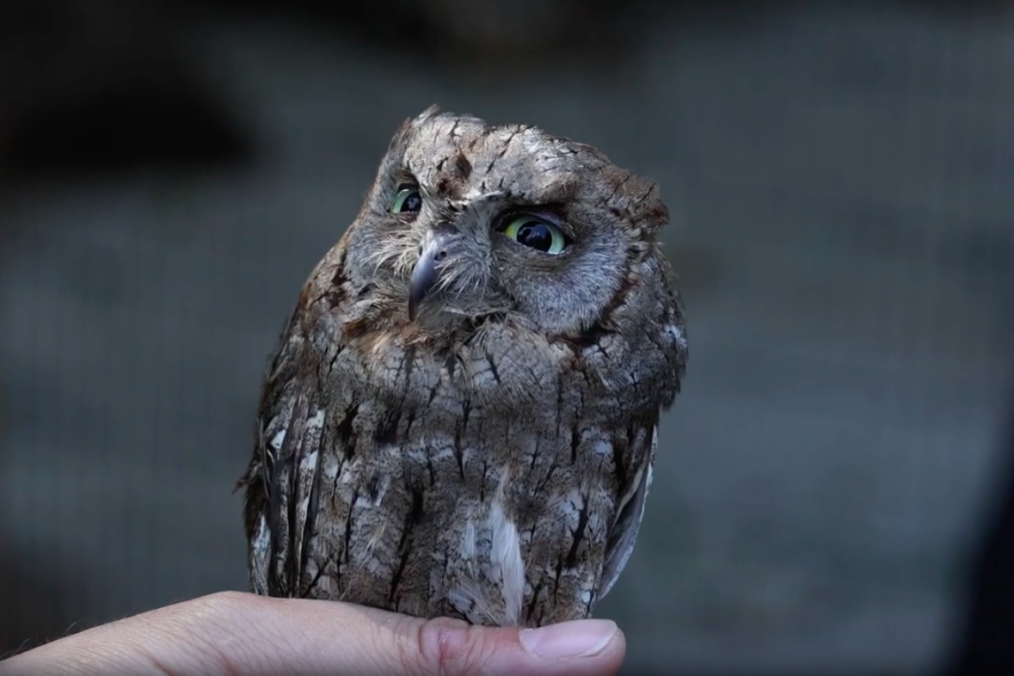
[[407, 184], [542, 213]]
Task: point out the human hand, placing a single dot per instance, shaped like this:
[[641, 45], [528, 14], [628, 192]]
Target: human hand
[[236, 633]]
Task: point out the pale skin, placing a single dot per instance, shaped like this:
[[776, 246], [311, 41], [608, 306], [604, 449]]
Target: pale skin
[[233, 633]]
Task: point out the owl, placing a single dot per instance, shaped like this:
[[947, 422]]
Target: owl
[[461, 418]]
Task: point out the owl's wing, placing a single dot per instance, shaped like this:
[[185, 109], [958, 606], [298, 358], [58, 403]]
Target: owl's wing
[[282, 481], [623, 534]]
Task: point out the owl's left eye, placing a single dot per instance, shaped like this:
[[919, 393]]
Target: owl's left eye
[[537, 234], [407, 200]]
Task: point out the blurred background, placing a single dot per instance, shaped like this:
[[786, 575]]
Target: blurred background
[[830, 484]]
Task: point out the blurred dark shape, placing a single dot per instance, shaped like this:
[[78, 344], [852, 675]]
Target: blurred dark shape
[[986, 640], [523, 32], [987, 259], [41, 597], [92, 86], [518, 33], [101, 85]]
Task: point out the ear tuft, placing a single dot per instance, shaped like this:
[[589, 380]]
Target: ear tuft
[[432, 111]]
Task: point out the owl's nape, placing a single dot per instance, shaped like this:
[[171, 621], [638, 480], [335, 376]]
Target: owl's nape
[[460, 419]]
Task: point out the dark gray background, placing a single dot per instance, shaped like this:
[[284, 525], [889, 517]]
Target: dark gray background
[[840, 181]]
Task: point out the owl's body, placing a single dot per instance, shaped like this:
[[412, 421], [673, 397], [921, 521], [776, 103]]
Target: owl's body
[[461, 418]]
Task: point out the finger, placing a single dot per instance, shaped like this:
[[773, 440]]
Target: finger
[[232, 633]]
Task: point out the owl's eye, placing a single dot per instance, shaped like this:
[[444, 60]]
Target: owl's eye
[[407, 200], [536, 233]]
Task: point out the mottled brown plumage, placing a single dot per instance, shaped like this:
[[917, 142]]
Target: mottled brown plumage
[[461, 417]]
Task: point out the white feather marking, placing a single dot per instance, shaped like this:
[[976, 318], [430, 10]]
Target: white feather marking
[[507, 562], [602, 447], [381, 490], [467, 597], [308, 463], [467, 549], [277, 440], [376, 537], [469, 600], [317, 421], [676, 334], [616, 560], [301, 507], [632, 491], [331, 465], [260, 555], [531, 445]]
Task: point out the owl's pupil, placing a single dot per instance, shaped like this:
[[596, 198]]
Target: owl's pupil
[[413, 202], [535, 235]]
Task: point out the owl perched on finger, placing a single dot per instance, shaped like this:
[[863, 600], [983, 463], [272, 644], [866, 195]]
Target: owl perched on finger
[[462, 415]]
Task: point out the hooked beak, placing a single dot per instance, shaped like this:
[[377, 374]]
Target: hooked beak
[[427, 269]]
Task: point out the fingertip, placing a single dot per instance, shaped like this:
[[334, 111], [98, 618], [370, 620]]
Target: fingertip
[[592, 647], [568, 640]]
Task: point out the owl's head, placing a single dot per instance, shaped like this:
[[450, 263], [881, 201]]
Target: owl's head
[[467, 221]]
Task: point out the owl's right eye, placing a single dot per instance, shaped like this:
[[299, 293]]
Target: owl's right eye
[[407, 200]]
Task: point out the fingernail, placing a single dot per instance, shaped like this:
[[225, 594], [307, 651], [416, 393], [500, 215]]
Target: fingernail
[[580, 638]]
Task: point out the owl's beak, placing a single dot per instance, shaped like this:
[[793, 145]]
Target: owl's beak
[[427, 269]]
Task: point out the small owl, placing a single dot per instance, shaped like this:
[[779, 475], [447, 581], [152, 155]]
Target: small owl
[[462, 415]]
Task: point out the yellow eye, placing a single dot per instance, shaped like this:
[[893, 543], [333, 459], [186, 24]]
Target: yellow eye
[[407, 200], [536, 233]]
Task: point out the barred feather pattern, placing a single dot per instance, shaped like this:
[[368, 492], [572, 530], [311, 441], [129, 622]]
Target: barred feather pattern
[[490, 460]]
